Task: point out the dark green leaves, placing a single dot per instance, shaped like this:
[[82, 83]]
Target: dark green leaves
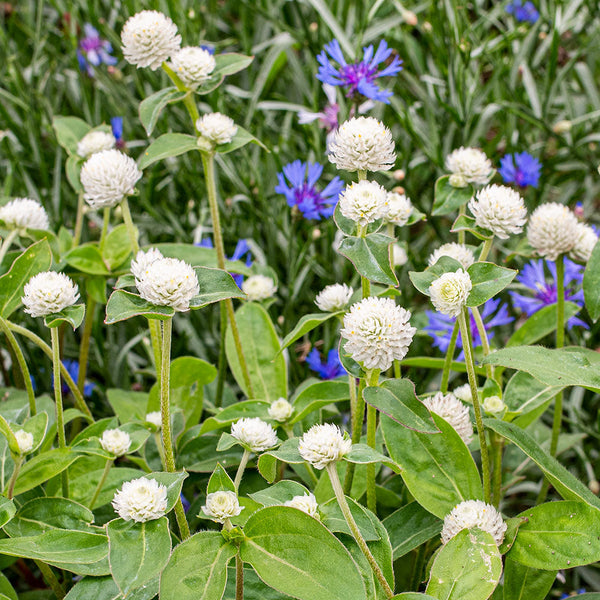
[[123, 305], [167, 145], [151, 107], [371, 257], [488, 280], [72, 315], [449, 199], [305, 324]]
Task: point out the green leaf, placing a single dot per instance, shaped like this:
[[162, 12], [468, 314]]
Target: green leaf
[[72, 315], [279, 493], [95, 288], [9, 434], [306, 324], [449, 199], [230, 414], [466, 223], [69, 131], [361, 454], [370, 256], [199, 453], [123, 305], [591, 284], [488, 280], [413, 596], [215, 285], [128, 405], [334, 520], [318, 395], [173, 482], [524, 582], [117, 247], [43, 467], [7, 592], [167, 145], [198, 256], [151, 107], [73, 171], [422, 280], [229, 63], [524, 395], [240, 139], [220, 481], [7, 510], [87, 259], [105, 588]]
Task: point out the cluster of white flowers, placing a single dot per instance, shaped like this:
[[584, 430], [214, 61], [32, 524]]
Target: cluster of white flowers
[[323, 444], [154, 418], [454, 250], [222, 505], [451, 409], [95, 141], [553, 230], [24, 213], [193, 65], [306, 503], [280, 410], [334, 297], [115, 441], [468, 165], [585, 244], [217, 128], [24, 441], [363, 202], [254, 433], [143, 259], [141, 500], [493, 405], [449, 292], [499, 209], [399, 209], [474, 513], [48, 293], [463, 392], [259, 287]]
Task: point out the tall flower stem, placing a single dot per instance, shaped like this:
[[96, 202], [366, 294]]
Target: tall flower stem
[[10, 488], [8, 240], [105, 224], [131, 230], [357, 426], [498, 447], [343, 503], [107, 466], [487, 246], [239, 578], [222, 364], [60, 420], [461, 234], [372, 381], [86, 338], [51, 579], [241, 468], [485, 343], [78, 220], [449, 358]]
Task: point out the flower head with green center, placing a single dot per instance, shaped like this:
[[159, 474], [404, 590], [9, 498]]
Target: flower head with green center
[[474, 513], [48, 293], [449, 292], [141, 500], [324, 444]]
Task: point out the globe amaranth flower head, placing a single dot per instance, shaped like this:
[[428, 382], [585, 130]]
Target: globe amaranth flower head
[[24, 213], [141, 500], [255, 434], [334, 298], [216, 128], [115, 441], [280, 410], [377, 332], [93, 50], [242, 249], [520, 168], [149, 38], [399, 209], [585, 244], [358, 77], [362, 144], [458, 252], [222, 505], [463, 392], [364, 202], [48, 293], [553, 230], [24, 441], [330, 369], [324, 444], [474, 513], [449, 292], [452, 410], [259, 287], [154, 418], [108, 177], [499, 209], [193, 65], [468, 165], [95, 141], [143, 259], [306, 503], [524, 12]]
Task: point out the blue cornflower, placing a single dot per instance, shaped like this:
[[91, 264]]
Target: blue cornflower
[[533, 277], [241, 249], [301, 190], [358, 77], [520, 168], [523, 12], [325, 370], [72, 367], [116, 124], [93, 50]]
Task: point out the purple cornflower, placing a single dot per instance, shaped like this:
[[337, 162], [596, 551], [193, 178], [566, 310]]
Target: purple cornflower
[[328, 118], [533, 276], [72, 367], [93, 50], [520, 168], [116, 124], [330, 369], [241, 249], [359, 77], [301, 190], [523, 12]]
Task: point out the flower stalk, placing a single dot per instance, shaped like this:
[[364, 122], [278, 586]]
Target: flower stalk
[[60, 421], [107, 466], [241, 468], [8, 240]]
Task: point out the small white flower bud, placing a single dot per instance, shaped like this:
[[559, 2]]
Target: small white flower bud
[[471, 165], [324, 444], [281, 410], [399, 209], [399, 256], [454, 250], [193, 65], [586, 242], [254, 433], [24, 441], [334, 297], [449, 292], [259, 287], [306, 503], [48, 293], [562, 127], [463, 392], [217, 128], [452, 410], [95, 141], [141, 500], [493, 405], [154, 418], [222, 505], [115, 441], [474, 513]]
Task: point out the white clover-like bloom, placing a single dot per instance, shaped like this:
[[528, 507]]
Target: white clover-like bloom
[[306, 503], [281, 410], [222, 505], [553, 230], [451, 409], [259, 287], [24, 213], [449, 292], [362, 144], [95, 141], [493, 405], [399, 209], [333, 298], [585, 244], [108, 177], [469, 165], [141, 500], [474, 513], [324, 444], [149, 38], [217, 128], [499, 209], [24, 441], [463, 392], [399, 256], [254, 433], [193, 65], [363, 202], [454, 250], [154, 418], [169, 282], [115, 441], [48, 293], [377, 332], [143, 260]]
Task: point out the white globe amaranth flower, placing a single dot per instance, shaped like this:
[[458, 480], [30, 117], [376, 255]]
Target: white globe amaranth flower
[[48, 293], [458, 252], [452, 410], [108, 177], [399, 209], [222, 505], [24, 213], [143, 260], [169, 282], [193, 65], [493, 405], [499, 209], [115, 441], [469, 165], [362, 144], [449, 292], [95, 141], [217, 128], [553, 230], [254, 433], [306, 503], [324, 444], [24, 441], [399, 256], [463, 392], [363, 202], [474, 513], [149, 38], [378, 332], [154, 418], [258, 287], [141, 500], [334, 298], [585, 244], [281, 410]]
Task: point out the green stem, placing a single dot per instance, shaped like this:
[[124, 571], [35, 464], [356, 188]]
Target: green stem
[[485, 343], [154, 327], [487, 246], [78, 220], [372, 381], [222, 364], [449, 358], [51, 579], [86, 338], [98, 489], [362, 175], [241, 468], [105, 223], [131, 230], [461, 234], [357, 426], [239, 578], [13, 478], [8, 240], [188, 100], [498, 446], [60, 421]]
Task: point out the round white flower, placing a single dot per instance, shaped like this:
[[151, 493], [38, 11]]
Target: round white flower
[[149, 38], [474, 513], [48, 293], [259, 287], [141, 500], [95, 141], [334, 297], [169, 282], [399, 256], [463, 392], [115, 441], [363, 202], [399, 209], [24, 441], [493, 405], [454, 250], [377, 332], [281, 410], [586, 242], [154, 418], [218, 128], [254, 433], [306, 503], [24, 213], [323, 444], [362, 144], [553, 230], [143, 260], [108, 177], [499, 209], [193, 65], [470, 165], [222, 505], [451, 409], [450, 292]]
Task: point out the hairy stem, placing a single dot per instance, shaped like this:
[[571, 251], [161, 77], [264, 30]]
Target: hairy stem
[[372, 381], [105, 223], [485, 343], [51, 579], [498, 447], [222, 364], [98, 489], [449, 358], [241, 468], [487, 246], [86, 338], [239, 578], [357, 425], [13, 478], [131, 230], [60, 421]]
